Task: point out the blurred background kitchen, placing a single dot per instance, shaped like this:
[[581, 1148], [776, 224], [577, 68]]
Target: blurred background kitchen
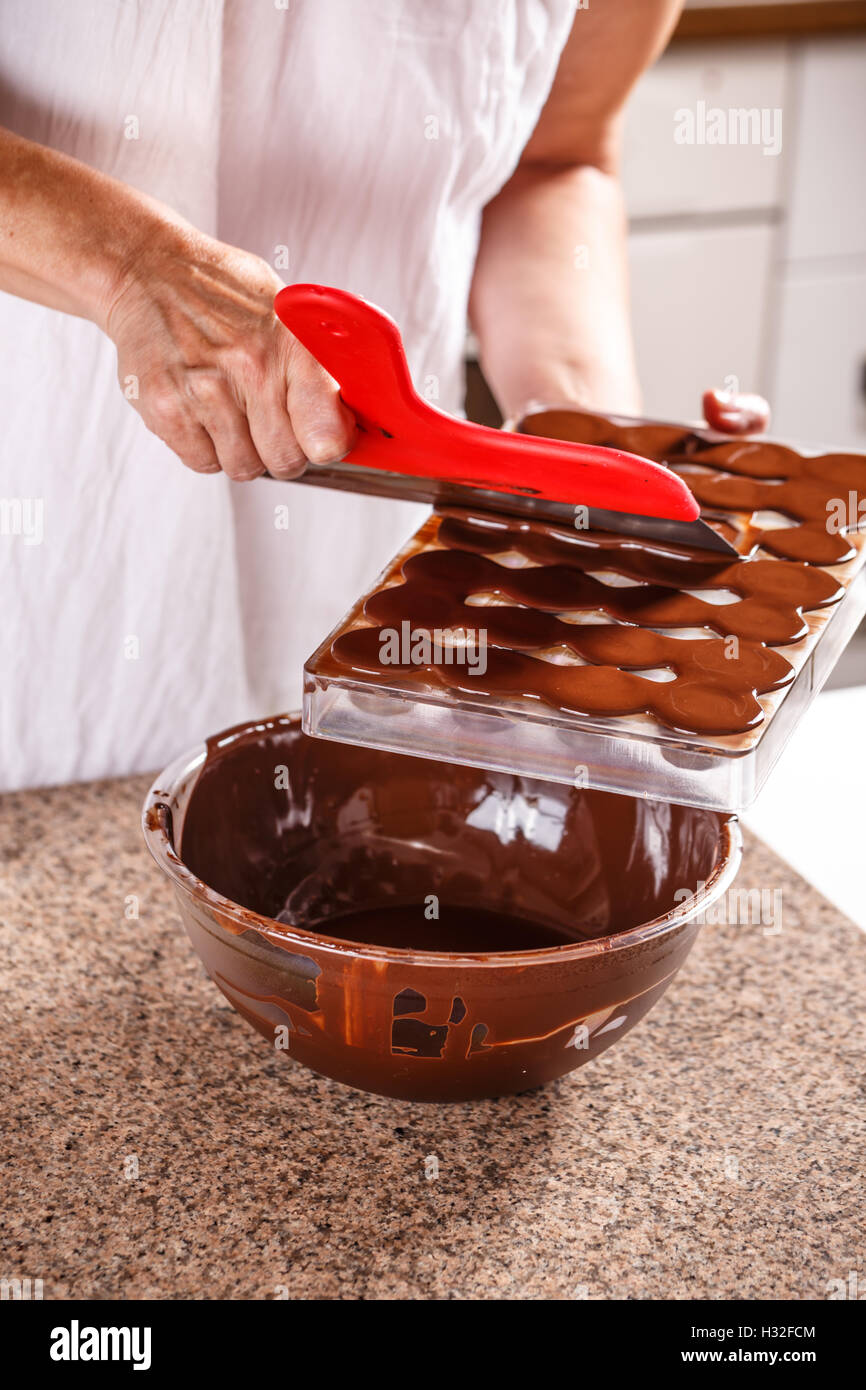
[[751, 266]]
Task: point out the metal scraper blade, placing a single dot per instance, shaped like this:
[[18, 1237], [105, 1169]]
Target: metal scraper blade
[[437, 492]]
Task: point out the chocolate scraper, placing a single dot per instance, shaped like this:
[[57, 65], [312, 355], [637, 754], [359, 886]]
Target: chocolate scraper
[[409, 449]]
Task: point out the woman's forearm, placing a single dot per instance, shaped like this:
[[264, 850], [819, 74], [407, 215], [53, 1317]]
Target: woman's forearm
[[67, 232], [208, 366], [549, 300]]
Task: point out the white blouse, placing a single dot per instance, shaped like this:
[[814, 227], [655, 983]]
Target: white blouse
[[349, 142]]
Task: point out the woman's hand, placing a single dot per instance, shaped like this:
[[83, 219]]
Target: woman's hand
[[210, 369], [201, 354], [732, 412]]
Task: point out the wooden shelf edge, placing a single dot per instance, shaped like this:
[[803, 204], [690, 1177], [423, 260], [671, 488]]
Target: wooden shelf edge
[[768, 21]]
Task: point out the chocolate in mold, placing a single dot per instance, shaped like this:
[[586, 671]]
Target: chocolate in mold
[[743, 476], [711, 693], [458, 576]]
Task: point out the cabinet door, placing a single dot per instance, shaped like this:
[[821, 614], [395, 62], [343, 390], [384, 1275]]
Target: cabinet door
[[818, 384], [663, 177], [828, 189], [698, 303]]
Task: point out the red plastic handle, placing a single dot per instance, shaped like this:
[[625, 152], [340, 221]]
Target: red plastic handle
[[401, 433]]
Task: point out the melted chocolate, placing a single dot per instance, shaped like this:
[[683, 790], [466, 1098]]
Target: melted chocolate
[[300, 848], [716, 684], [358, 831], [456, 929]]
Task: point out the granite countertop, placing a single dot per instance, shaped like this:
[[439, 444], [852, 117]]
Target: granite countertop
[[154, 1146]]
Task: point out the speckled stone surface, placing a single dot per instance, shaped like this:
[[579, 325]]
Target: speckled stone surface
[[154, 1146]]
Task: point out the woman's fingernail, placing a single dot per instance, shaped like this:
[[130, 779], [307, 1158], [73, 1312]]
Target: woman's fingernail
[[321, 451], [325, 449]]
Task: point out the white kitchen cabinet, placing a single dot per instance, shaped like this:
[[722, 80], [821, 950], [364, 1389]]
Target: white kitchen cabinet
[[749, 265], [663, 178], [820, 359], [827, 211], [746, 264], [698, 303]]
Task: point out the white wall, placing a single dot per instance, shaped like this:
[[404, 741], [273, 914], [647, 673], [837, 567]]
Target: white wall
[[752, 265]]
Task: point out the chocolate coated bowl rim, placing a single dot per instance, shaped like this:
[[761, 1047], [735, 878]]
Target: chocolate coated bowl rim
[[156, 825]]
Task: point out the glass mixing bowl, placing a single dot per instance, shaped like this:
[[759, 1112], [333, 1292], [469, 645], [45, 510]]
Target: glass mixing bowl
[[280, 847]]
